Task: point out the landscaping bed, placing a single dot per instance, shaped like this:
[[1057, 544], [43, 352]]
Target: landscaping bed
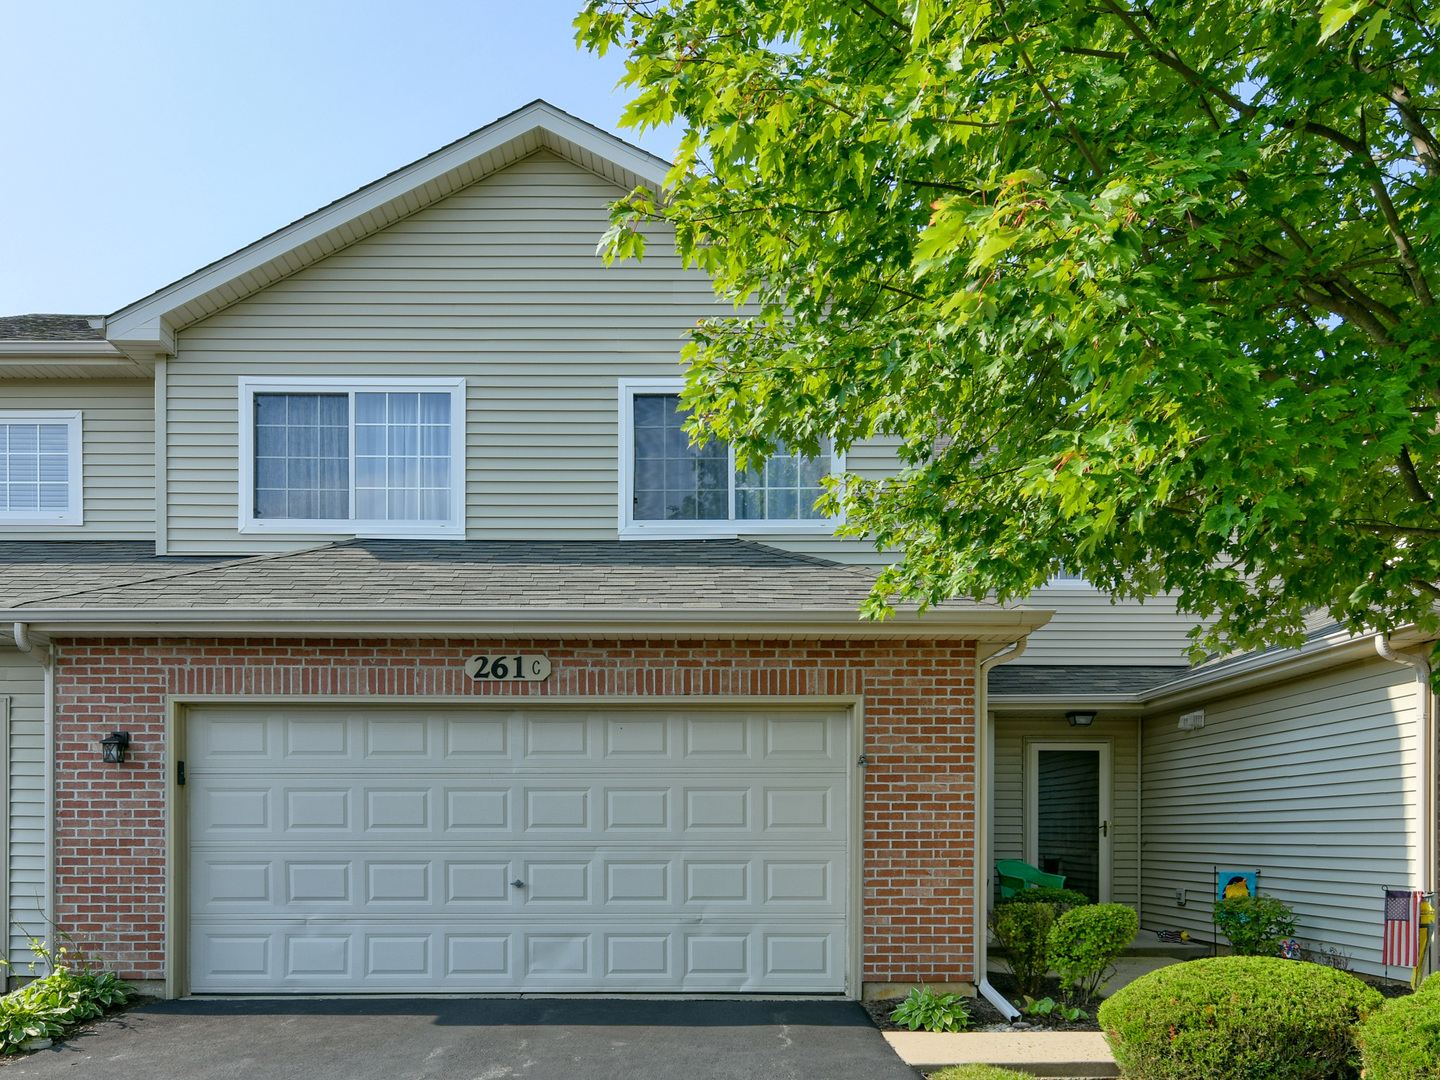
[[985, 1017]]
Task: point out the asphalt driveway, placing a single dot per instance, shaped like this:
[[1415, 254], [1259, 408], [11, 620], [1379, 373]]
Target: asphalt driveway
[[476, 1039]]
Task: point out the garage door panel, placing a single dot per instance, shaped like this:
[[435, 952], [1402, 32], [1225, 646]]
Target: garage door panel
[[235, 738], [374, 956], [368, 849], [362, 879], [723, 808]]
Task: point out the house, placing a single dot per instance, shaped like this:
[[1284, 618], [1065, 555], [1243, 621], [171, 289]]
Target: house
[[447, 666]]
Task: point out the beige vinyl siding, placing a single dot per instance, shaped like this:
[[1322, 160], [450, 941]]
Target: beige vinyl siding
[[1088, 629], [1311, 782], [499, 284], [22, 682], [118, 429], [1008, 836]]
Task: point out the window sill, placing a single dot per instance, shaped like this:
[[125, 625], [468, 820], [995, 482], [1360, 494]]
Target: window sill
[[724, 530], [360, 530], [67, 521]]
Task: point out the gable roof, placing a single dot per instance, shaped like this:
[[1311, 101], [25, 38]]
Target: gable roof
[[147, 328], [702, 588]]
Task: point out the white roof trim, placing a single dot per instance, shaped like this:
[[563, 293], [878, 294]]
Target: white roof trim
[[44, 350], [147, 327], [1004, 625]]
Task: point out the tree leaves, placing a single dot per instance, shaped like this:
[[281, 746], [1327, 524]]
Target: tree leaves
[[1142, 294]]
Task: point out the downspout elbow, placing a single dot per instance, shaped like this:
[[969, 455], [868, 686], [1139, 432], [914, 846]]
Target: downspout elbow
[[22, 639]]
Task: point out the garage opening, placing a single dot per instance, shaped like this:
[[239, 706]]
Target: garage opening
[[502, 849]]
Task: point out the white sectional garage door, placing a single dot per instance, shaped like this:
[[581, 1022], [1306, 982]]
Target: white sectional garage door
[[438, 849]]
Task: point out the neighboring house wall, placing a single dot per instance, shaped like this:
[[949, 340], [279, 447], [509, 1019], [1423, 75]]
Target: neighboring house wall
[[119, 454], [1311, 782], [499, 284], [22, 683], [1088, 629], [1011, 734]]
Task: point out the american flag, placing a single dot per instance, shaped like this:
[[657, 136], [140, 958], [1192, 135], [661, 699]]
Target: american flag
[[1402, 928]]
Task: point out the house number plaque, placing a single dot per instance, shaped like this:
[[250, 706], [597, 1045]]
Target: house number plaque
[[516, 667]]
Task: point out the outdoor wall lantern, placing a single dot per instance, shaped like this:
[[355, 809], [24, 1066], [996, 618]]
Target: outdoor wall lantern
[[1080, 719], [113, 746]]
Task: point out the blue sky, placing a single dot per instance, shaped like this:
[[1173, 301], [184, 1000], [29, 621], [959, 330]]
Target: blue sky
[[145, 138]]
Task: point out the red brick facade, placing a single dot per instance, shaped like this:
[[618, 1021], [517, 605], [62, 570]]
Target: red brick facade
[[919, 701]]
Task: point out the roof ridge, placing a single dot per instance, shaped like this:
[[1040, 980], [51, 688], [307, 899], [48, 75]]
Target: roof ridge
[[224, 564]]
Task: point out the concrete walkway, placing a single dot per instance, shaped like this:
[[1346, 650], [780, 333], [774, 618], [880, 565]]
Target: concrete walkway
[[1043, 1053]]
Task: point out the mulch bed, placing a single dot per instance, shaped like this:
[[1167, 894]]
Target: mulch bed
[[983, 1015]]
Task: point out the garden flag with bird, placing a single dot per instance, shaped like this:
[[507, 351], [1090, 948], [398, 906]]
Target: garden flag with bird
[[1402, 928]]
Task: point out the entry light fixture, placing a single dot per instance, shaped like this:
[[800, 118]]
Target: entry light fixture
[[1080, 719], [114, 745]]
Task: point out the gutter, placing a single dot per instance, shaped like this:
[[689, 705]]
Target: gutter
[[1425, 775], [985, 625], [983, 782]]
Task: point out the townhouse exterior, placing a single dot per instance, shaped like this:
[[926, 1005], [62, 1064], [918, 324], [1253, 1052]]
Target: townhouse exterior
[[448, 666]]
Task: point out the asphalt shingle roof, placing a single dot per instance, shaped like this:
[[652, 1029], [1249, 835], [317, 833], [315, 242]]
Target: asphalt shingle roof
[[48, 328], [1079, 679], [31, 570], [714, 575]]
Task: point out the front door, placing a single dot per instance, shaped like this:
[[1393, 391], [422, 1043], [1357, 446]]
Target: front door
[[1067, 802]]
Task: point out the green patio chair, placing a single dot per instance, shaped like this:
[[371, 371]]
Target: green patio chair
[[1015, 875]]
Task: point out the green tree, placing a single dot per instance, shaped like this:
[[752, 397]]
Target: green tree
[[1142, 291]]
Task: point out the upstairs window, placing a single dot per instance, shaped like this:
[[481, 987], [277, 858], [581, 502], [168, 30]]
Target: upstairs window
[[669, 487], [40, 468], [382, 458]]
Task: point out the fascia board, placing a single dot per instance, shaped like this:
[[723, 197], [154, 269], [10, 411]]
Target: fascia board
[[149, 321], [1004, 626], [1024, 703], [90, 351]]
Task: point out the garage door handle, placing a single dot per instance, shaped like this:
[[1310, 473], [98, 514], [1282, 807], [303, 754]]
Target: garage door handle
[[518, 883]]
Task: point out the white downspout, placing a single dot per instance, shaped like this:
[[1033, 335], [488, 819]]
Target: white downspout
[[1426, 777], [982, 827]]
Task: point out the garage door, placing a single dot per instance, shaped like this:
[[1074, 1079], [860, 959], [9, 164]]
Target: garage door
[[431, 849]]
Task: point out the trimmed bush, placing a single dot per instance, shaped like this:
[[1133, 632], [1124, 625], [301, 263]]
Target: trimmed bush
[[979, 1072], [1085, 941], [1251, 1017], [1402, 1040], [1255, 925], [1022, 930], [1063, 899], [1431, 985]]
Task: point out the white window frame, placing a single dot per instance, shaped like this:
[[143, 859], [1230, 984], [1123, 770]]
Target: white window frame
[[454, 529], [74, 513], [630, 529]]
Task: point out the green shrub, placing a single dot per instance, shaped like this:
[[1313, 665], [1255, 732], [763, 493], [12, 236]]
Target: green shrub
[[1402, 1040], [1061, 898], [43, 1009], [1431, 985], [1251, 1017], [979, 1072], [932, 1012], [1022, 930], [1085, 941], [1255, 925]]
